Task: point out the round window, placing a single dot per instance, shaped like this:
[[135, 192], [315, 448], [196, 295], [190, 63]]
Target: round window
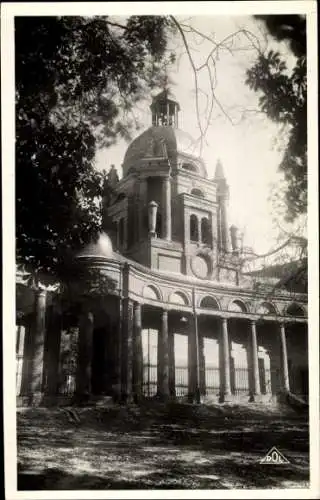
[[200, 266]]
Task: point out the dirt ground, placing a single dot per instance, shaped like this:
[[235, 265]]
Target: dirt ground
[[160, 447]]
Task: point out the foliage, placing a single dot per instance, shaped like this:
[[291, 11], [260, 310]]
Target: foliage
[[283, 97], [77, 80]]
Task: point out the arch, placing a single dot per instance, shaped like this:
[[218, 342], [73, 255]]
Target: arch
[[209, 302], [194, 228], [197, 192], [237, 306], [266, 308], [205, 231], [151, 292], [190, 167], [295, 309], [179, 298]]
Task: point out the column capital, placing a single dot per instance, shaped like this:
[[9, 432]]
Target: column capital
[[41, 293]]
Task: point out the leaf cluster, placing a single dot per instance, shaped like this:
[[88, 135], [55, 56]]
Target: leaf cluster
[[283, 98], [77, 80]]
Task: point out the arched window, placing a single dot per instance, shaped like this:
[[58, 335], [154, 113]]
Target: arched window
[[178, 298], [266, 308], [150, 292], [205, 231], [209, 303], [237, 306], [295, 310], [197, 192], [194, 230]]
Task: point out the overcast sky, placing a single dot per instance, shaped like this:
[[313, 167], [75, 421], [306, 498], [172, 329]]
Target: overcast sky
[[245, 147]]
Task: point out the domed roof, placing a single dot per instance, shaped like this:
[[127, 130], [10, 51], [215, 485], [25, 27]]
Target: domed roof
[[161, 142], [101, 248]]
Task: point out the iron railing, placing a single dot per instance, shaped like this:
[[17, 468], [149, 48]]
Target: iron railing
[[240, 381], [181, 381], [67, 385], [212, 380], [150, 380]]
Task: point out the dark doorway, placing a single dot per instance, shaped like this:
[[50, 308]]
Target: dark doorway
[[304, 383], [262, 376], [99, 361]]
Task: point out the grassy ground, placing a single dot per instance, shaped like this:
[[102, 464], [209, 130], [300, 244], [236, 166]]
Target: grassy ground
[[160, 447]]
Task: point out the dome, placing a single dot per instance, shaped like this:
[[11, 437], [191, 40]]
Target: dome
[[101, 248], [162, 142]]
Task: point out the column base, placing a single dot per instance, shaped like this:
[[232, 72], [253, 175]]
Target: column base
[[228, 398], [260, 398], [162, 397], [195, 398], [127, 399], [34, 399]]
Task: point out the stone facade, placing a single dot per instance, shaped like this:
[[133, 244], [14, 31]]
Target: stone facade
[[164, 310]]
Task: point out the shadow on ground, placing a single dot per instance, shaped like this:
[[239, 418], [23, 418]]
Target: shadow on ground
[[168, 447]]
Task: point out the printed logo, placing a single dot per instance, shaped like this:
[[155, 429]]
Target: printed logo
[[274, 457]]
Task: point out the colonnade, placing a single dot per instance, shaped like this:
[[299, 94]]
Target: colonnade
[[129, 360]]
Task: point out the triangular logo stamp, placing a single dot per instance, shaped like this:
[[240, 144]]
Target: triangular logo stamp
[[274, 457]]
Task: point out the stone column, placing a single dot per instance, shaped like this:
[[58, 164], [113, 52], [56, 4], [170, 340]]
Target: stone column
[[118, 353], [83, 375], [193, 359], [186, 221], [202, 370], [199, 230], [127, 350], [226, 359], [284, 358], [254, 361], [167, 208], [171, 382], [53, 346], [164, 357], [20, 355], [36, 372], [137, 352]]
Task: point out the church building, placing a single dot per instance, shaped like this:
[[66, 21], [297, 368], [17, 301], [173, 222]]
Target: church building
[[162, 308]]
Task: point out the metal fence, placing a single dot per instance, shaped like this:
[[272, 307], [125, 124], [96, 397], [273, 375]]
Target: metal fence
[[67, 385], [181, 381], [150, 380], [240, 381], [212, 380]]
